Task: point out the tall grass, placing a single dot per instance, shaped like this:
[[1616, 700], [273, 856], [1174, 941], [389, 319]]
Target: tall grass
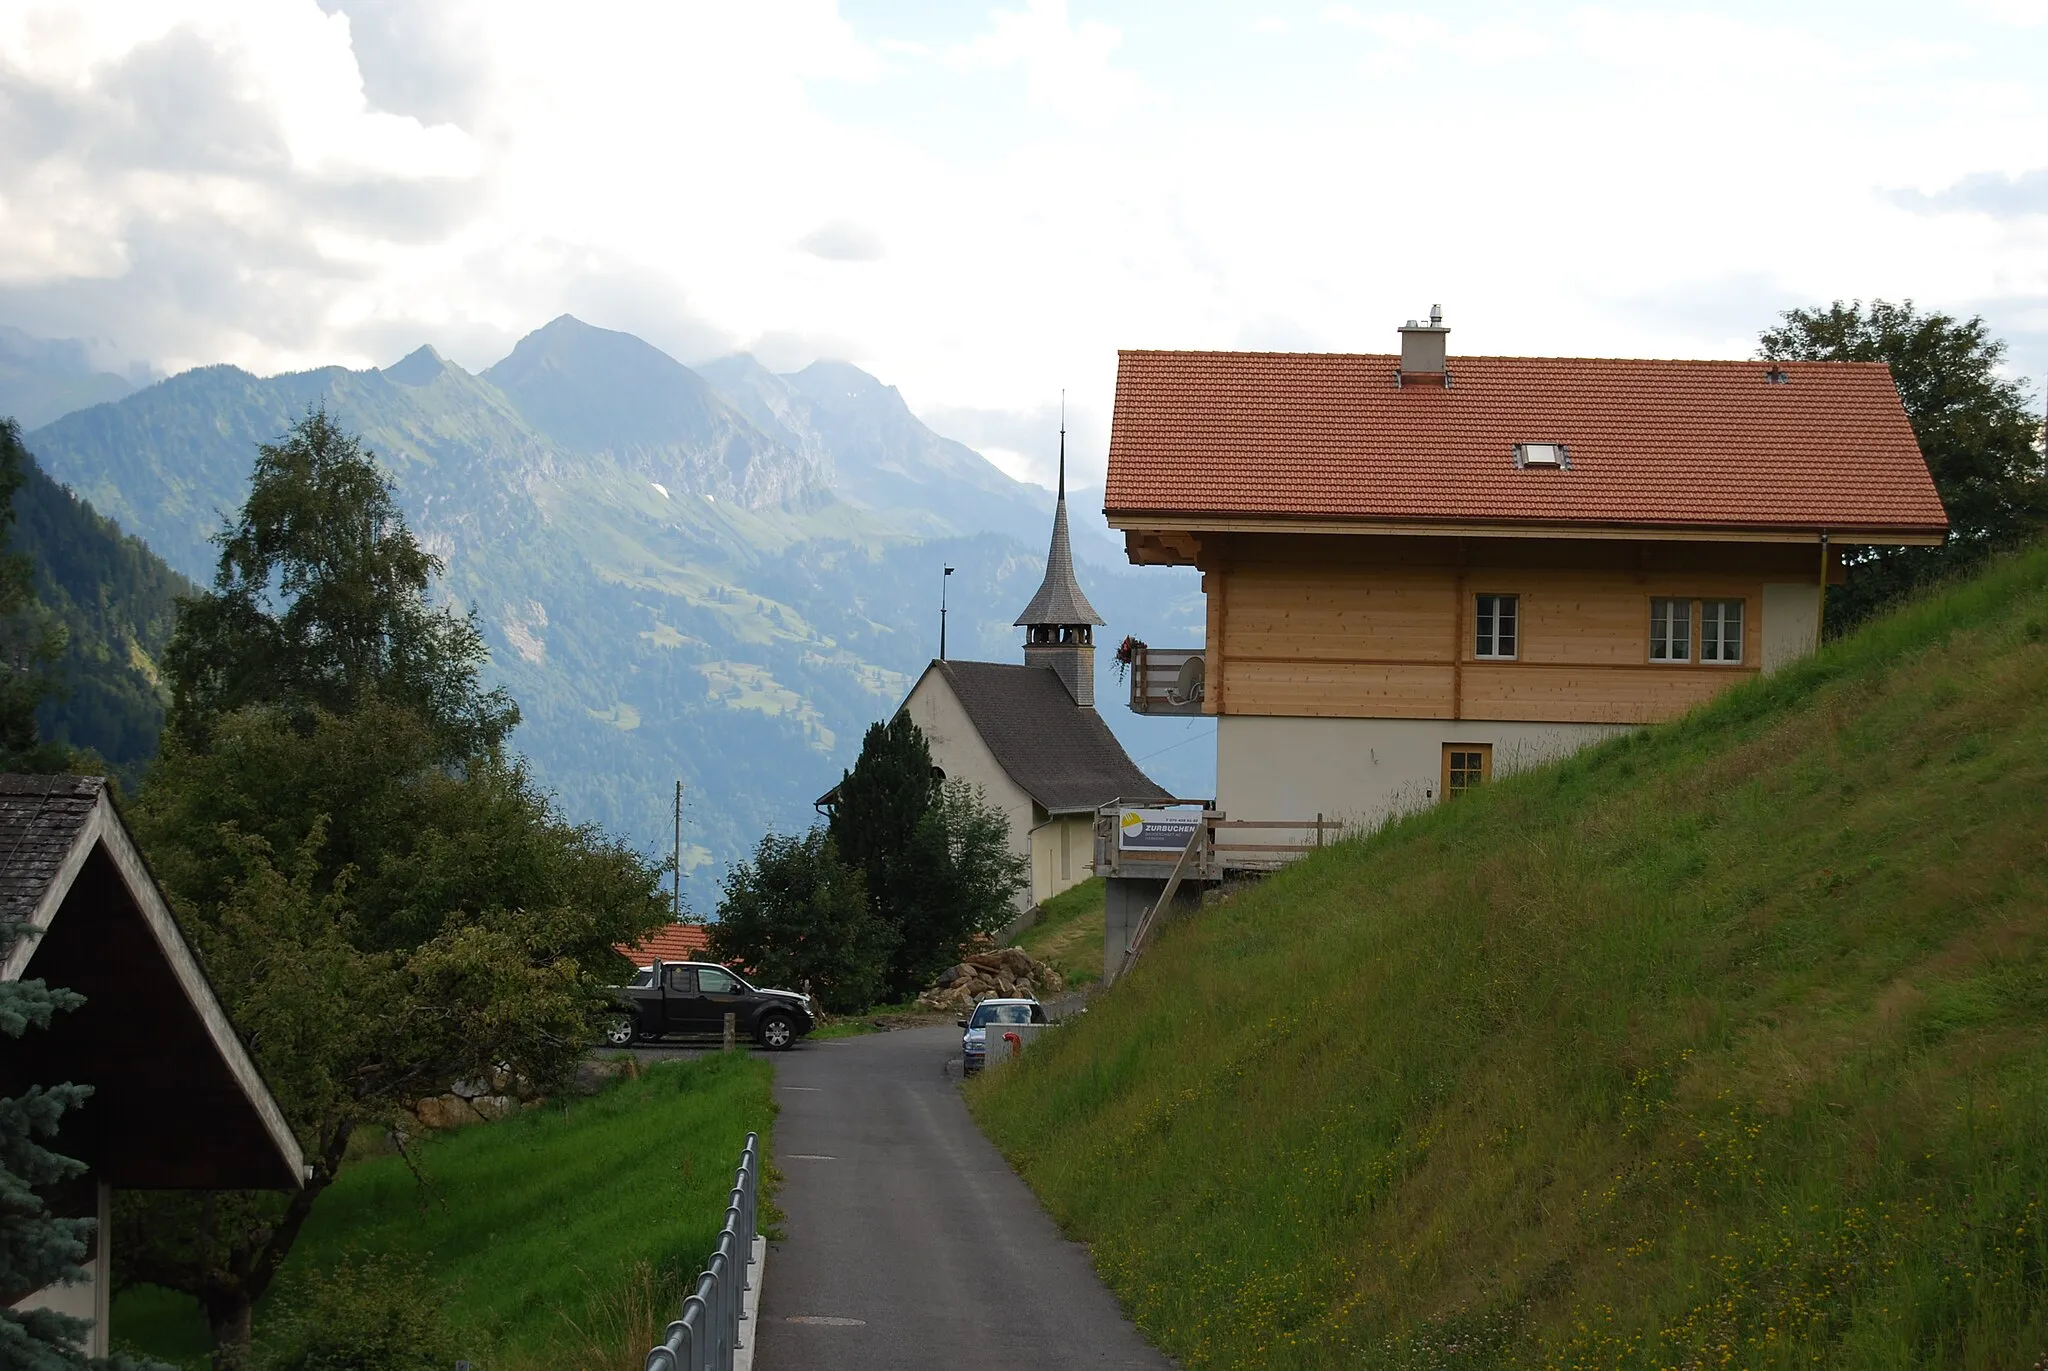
[[1069, 932], [1723, 1044], [561, 1239]]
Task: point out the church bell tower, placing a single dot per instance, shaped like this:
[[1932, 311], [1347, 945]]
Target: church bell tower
[[1059, 623]]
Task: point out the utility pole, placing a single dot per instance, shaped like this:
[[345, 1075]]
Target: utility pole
[[678, 859], [942, 612]]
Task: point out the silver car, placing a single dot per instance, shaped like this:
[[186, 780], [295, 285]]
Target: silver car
[[974, 1042]]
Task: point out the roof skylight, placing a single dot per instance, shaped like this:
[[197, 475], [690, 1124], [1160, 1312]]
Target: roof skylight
[[1550, 455]]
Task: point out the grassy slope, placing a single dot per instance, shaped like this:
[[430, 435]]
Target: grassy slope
[[1724, 1044], [1068, 934], [563, 1237]]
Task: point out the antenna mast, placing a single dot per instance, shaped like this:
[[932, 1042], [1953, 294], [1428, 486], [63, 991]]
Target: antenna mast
[[943, 580], [678, 859]]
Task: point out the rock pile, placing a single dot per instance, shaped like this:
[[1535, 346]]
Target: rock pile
[[484, 1101], [1010, 972]]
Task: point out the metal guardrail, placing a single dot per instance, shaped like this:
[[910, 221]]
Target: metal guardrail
[[708, 1333]]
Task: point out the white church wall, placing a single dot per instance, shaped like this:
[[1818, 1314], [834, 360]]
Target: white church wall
[[1062, 854], [957, 750]]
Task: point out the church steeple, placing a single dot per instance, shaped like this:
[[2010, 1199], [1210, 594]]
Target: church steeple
[[1059, 623]]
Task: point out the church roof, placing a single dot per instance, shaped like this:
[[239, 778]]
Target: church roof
[[1059, 753], [1059, 600]]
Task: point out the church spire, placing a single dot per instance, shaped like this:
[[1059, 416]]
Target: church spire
[[1059, 622], [1059, 602]]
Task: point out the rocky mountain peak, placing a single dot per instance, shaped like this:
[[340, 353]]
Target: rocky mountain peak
[[422, 366], [594, 391]]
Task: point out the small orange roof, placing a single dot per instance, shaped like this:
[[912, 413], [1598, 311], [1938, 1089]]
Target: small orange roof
[[1651, 443], [676, 943]]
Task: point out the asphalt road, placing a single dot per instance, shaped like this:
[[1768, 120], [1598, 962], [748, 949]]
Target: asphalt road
[[908, 1243]]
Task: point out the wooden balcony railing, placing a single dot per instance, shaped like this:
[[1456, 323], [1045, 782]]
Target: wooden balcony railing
[[1166, 680], [1221, 845]]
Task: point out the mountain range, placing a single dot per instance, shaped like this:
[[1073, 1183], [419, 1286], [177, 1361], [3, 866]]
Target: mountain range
[[720, 575], [43, 378]]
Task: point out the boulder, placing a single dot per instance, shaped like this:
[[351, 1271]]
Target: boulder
[[438, 1112], [594, 1073], [491, 1108]]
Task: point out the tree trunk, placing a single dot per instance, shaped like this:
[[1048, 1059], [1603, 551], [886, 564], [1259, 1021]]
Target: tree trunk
[[231, 1317]]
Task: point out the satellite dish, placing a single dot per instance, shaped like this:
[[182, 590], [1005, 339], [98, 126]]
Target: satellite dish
[[1187, 687]]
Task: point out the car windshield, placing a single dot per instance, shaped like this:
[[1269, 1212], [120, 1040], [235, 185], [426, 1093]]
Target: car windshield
[[642, 978], [1001, 1013]]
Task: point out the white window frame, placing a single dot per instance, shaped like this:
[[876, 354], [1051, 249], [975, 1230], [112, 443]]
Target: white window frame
[[1486, 633], [1662, 640], [1719, 643]]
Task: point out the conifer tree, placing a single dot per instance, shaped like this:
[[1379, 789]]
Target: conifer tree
[[38, 1249], [935, 853]]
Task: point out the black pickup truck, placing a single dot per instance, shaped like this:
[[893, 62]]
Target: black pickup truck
[[694, 997]]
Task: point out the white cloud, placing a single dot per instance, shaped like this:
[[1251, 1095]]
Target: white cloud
[[343, 183], [842, 241], [1069, 67]]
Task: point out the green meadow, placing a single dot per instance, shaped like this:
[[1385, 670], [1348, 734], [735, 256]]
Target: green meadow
[[1724, 1044], [561, 1238]]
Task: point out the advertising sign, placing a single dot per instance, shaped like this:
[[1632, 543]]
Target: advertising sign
[[1157, 830]]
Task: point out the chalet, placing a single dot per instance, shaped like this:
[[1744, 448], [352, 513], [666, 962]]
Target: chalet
[[177, 1104], [1423, 571], [1028, 735]]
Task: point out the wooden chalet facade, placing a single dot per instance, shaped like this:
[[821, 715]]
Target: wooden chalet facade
[[1422, 570]]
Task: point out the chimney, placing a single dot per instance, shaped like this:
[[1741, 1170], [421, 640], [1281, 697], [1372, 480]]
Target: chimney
[[1423, 350]]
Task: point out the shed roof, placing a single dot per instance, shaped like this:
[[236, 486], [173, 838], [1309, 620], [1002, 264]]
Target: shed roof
[[1059, 753], [177, 1102], [1657, 444], [672, 943]]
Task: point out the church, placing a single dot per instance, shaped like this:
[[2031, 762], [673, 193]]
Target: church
[[1028, 733]]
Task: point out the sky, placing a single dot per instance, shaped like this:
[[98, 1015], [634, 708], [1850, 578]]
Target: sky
[[981, 203]]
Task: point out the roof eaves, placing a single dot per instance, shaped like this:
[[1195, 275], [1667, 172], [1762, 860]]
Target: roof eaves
[[1132, 518]]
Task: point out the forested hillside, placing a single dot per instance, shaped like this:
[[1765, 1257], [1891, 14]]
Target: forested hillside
[[116, 604]]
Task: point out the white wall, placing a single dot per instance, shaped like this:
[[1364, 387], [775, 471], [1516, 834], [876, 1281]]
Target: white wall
[[1062, 854], [1361, 770], [91, 1297], [1791, 619], [957, 750]]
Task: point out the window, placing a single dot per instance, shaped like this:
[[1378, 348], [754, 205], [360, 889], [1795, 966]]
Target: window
[[712, 981], [1542, 455], [1670, 630], [1721, 631], [679, 980], [1466, 765], [642, 979], [1496, 625]]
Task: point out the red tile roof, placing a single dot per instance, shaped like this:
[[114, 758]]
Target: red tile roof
[[1330, 436], [676, 943]]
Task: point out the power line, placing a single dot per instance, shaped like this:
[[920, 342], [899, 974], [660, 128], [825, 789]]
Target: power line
[[1171, 746]]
